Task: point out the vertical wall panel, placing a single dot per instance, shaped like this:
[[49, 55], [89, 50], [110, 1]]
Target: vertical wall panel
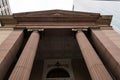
[[114, 36], [4, 34], [24, 65], [8, 50], [93, 62], [108, 51]]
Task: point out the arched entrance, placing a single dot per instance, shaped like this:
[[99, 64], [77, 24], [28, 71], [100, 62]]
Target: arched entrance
[[57, 69], [58, 73]]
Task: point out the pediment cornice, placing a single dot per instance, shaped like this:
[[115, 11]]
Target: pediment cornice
[[56, 15]]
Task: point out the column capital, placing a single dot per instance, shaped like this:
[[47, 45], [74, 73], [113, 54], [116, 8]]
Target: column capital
[[31, 29]]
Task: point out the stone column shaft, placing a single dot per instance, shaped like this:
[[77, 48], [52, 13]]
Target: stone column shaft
[[24, 65], [93, 62], [108, 51], [8, 50]]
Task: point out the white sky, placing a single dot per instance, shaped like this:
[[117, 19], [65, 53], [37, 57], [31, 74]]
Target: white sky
[[102, 7], [37, 5]]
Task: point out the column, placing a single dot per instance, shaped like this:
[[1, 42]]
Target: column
[[93, 62], [108, 51], [9, 49], [24, 65]]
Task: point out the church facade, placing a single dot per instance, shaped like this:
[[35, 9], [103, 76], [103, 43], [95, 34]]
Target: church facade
[[59, 45]]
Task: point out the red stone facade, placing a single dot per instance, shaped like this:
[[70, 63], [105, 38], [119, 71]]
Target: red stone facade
[[59, 45]]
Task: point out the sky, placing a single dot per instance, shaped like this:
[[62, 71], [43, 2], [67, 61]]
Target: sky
[[37, 5], [102, 7]]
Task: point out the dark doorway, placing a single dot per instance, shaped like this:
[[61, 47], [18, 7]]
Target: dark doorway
[[58, 73]]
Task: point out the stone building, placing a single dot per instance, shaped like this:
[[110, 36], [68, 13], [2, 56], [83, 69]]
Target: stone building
[[58, 45], [5, 7]]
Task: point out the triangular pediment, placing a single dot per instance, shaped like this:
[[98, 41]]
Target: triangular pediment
[[56, 16], [55, 13]]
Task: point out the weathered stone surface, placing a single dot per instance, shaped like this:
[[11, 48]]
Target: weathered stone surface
[[56, 16], [108, 51], [4, 33], [23, 67], [93, 62], [57, 44], [8, 50], [114, 36]]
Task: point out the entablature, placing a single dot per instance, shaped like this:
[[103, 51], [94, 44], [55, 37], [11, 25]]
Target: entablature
[[56, 19]]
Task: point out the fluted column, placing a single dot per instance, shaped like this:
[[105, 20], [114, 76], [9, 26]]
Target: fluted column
[[93, 62], [24, 65], [108, 51], [8, 50]]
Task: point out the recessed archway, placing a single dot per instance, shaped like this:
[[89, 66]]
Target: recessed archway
[[58, 73]]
